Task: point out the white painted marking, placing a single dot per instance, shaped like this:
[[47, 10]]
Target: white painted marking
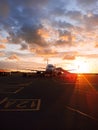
[[10, 90], [20, 104], [18, 90], [82, 113]]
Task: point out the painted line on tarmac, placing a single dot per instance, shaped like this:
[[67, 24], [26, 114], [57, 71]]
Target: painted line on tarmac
[[22, 84], [18, 90], [13, 90], [10, 110], [10, 90], [81, 113], [7, 104]]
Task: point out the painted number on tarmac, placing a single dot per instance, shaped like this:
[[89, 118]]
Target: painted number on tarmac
[[20, 104]]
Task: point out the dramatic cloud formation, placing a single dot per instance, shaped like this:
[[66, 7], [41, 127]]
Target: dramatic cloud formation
[[49, 28]]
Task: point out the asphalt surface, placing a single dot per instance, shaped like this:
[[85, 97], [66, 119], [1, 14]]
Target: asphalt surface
[[28, 103]]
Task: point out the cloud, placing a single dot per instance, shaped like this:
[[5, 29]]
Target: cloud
[[4, 40], [62, 25], [65, 38], [45, 52], [13, 57], [87, 3], [89, 55], [3, 36], [91, 21], [44, 33], [24, 23], [24, 20], [4, 8], [2, 54], [74, 14], [21, 55], [24, 46], [96, 45], [2, 46], [28, 34], [43, 27], [29, 3], [71, 55]]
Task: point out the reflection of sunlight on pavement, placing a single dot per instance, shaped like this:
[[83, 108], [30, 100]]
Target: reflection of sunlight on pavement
[[92, 87], [84, 97], [92, 101]]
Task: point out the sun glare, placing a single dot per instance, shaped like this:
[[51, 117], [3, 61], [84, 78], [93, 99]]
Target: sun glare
[[81, 66]]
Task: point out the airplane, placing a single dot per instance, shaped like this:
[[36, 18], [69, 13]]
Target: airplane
[[50, 68], [52, 71]]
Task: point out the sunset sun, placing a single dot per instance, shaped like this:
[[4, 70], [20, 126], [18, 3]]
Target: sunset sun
[[81, 66]]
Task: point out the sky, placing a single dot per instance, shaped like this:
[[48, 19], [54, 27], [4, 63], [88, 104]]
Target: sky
[[64, 32]]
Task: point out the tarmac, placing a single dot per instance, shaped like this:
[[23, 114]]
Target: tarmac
[[53, 103]]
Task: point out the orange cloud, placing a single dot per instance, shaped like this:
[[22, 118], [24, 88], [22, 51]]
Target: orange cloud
[[44, 33], [2, 46], [47, 52], [4, 40], [96, 45], [14, 57], [70, 55], [73, 38], [64, 38]]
